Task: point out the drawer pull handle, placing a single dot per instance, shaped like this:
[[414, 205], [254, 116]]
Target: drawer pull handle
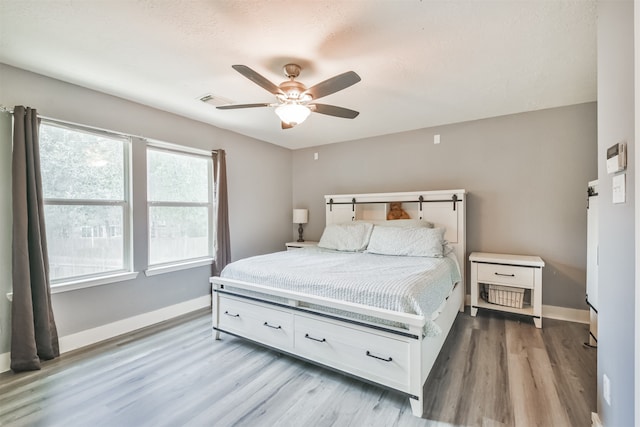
[[230, 314], [379, 358], [505, 275], [271, 326], [315, 339]]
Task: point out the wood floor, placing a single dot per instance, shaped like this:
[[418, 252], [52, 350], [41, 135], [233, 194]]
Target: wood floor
[[494, 370]]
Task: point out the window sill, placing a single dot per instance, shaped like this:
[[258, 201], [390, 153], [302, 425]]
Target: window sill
[[177, 266], [87, 283]]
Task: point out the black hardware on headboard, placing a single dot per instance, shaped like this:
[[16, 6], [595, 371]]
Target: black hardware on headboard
[[420, 200]]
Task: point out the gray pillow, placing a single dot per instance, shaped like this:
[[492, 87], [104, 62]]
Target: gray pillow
[[350, 237], [418, 241]]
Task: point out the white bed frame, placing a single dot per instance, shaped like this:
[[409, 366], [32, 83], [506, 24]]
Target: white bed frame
[[399, 359]]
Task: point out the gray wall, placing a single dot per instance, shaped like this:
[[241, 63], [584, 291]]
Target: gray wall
[[260, 218], [616, 281], [526, 175]]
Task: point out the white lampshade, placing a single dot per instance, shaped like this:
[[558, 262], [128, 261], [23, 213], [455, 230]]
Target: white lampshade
[[300, 216], [292, 114]]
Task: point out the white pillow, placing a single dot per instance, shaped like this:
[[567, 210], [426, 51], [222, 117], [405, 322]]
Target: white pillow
[[351, 236], [427, 242]]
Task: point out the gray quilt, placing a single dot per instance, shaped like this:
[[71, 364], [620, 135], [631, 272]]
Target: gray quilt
[[416, 285]]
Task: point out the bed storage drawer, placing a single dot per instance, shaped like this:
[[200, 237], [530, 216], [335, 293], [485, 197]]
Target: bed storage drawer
[[363, 353], [258, 322], [511, 275]]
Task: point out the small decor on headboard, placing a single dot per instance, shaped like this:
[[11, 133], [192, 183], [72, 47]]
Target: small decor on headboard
[[396, 211]]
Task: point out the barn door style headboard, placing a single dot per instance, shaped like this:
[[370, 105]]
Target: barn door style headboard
[[443, 208]]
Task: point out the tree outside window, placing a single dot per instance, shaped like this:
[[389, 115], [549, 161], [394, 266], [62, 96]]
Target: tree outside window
[[85, 176], [180, 199]]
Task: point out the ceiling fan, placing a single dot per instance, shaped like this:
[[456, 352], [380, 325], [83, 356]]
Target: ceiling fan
[[294, 100]]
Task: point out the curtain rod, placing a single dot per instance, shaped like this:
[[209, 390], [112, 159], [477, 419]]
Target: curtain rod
[[67, 122], [6, 109]]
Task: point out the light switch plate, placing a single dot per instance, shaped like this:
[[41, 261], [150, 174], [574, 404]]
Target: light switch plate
[[619, 191], [606, 389]]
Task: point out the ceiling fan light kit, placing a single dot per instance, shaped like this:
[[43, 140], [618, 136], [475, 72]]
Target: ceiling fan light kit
[[292, 113], [294, 99]]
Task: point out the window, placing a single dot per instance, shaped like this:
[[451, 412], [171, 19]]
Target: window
[[85, 181], [180, 199]]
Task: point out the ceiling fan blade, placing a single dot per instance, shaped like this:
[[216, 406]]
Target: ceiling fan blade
[[257, 79], [286, 125], [236, 106], [332, 110], [334, 84]]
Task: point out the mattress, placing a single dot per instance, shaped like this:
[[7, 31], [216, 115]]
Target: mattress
[[414, 285]]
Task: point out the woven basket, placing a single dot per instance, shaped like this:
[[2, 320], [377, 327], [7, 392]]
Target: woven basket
[[506, 296]]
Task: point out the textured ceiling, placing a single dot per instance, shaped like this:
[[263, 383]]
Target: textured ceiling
[[423, 63]]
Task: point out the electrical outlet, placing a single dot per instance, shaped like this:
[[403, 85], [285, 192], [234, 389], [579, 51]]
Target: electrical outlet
[[606, 389]]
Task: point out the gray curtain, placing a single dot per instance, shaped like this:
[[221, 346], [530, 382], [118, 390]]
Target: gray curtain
[[33, 330], [222, 246]]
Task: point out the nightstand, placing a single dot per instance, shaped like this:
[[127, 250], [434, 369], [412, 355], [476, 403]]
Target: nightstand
[[504, 279], [297, 245]]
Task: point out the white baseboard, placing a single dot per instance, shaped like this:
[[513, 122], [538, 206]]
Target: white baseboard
[[111, 330], [563, 313], [595, 420], [5, 361], [558, 313]]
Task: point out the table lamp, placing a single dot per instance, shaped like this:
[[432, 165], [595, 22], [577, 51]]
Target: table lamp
[[300, 216]]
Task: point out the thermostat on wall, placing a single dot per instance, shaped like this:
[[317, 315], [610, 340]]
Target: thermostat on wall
[[617, 157]]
